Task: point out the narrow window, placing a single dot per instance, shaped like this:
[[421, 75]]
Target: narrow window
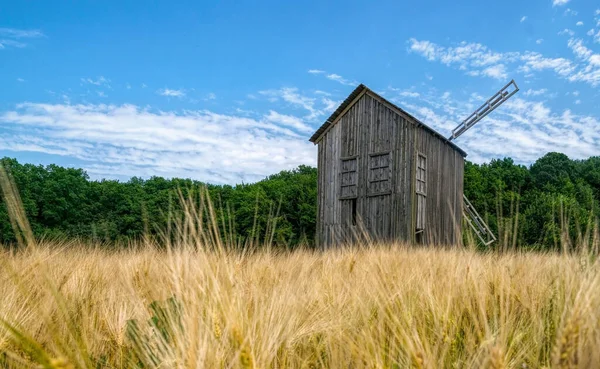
[[349, 178], [380, 174], [421, 189]]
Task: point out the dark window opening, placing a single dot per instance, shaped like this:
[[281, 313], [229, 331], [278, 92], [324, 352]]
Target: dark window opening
[[419, 238], [353, 210]]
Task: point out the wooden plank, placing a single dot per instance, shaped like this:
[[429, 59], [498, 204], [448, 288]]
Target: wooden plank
[[357, 98]]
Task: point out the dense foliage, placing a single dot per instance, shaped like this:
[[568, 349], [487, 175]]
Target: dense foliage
[[525, 206]]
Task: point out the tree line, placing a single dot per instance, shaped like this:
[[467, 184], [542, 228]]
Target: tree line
[[529, 206]]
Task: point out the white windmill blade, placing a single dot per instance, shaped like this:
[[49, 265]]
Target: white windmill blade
[[492, 103]]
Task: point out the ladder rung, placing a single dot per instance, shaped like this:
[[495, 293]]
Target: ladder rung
[[477, 224]]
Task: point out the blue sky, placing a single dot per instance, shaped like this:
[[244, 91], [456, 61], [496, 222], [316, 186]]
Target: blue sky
[[228, 91]]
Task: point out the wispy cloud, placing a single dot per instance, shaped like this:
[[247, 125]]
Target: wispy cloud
[[496, 71], [292, 96], [99, 81], [288, 120], [566, 31], [523, 18], [571, 12], [539, 41], [127, 140], [171, 93], [579, 24], [478, 60], [529, 128], [595, 36], [559, 2], [20, 33], [20, 80], [333, 77], [539, 92], [340, 79], [330, 105], [13, 37], [409, 94]]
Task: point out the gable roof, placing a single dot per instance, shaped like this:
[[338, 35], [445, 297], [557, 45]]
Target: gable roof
[[350, 100]]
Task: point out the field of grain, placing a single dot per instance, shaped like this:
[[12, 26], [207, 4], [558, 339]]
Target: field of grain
[[194, 298], [383, 306]]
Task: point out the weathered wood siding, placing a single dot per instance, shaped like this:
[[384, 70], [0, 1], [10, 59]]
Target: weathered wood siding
[[443, 208], [372, 126]]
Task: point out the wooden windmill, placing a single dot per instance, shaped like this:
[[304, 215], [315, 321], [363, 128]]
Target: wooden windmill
[[385, 173]]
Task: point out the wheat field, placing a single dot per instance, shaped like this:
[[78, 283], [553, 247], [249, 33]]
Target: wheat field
[[382, 306], [194, 298]]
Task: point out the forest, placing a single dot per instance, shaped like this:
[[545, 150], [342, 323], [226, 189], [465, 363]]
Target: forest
[[531, 206]]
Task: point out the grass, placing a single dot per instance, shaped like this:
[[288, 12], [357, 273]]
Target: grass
[[190, 302], [387, 306]]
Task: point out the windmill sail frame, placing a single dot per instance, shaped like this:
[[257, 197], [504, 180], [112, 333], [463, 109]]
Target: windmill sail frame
[[490, 105]]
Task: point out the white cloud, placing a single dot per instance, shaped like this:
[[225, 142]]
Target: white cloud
[[292, 96], [20, 33], [478, 60], [539, 41], [330, 105], [316, 71], [409, 94], [324, 93], [531, 92], [576, 93], [566, 31], [469, 57], [13, 37], [579, 49], [128, 86], [595, 36], [496, 71], [171, 93], [211, 96], [144, 85], [522, 129], [577, 102], [559, 2], [571, 12], [536, 61], [340, 79], [20, 80], [100, 81], [127, 140], [579, 24], [5, 43], [523, 18], [590, 71], [101, 94], [288, 120]]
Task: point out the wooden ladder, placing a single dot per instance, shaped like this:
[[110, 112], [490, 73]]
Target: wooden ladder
[[477, 223]]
